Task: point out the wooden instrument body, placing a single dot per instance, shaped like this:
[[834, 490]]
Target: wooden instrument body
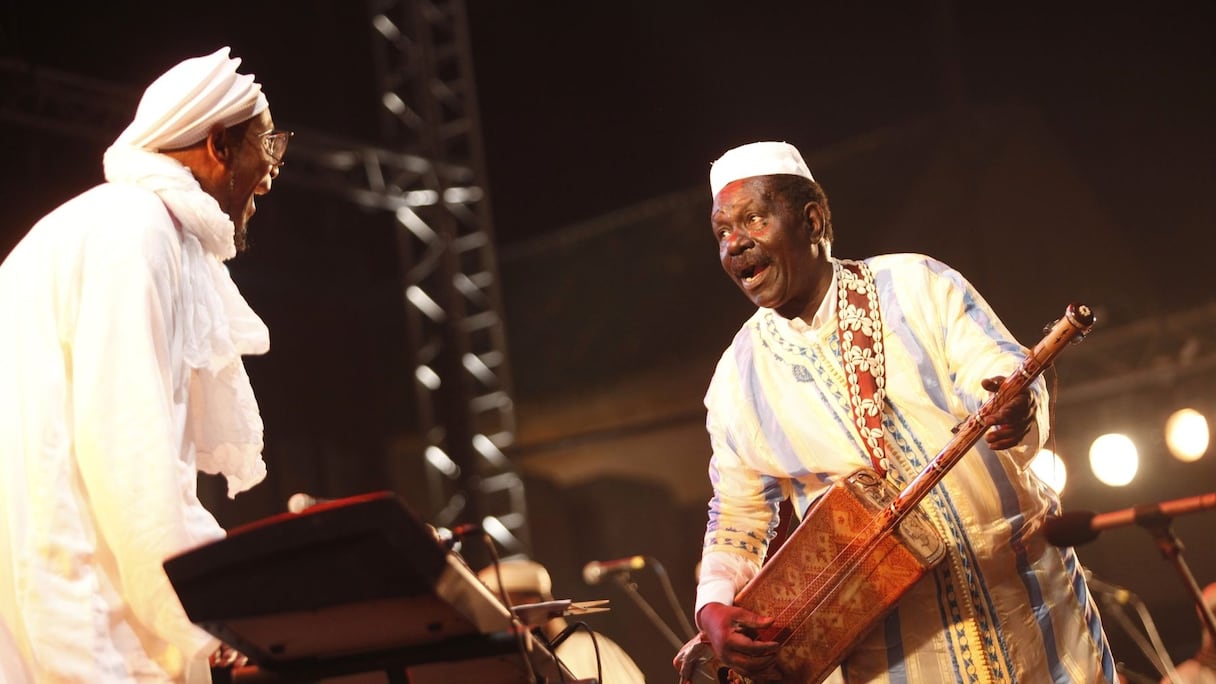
[[838, 575]]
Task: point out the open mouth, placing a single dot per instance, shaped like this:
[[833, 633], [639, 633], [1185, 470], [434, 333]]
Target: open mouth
[[750, 273]]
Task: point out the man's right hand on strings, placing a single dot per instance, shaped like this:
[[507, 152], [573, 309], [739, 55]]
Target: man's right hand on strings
[[732, 632]]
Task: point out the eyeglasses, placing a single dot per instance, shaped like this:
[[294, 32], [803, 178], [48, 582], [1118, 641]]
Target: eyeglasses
[[275, 144]]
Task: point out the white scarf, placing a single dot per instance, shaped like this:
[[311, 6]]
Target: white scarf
[[217, 323]]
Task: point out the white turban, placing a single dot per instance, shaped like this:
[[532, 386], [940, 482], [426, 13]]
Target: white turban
[[182, 106], [756, 159]]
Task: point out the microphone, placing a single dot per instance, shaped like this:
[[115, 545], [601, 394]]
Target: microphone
[[1079, 527], [300, 502], [597, 571], [1118, 594]]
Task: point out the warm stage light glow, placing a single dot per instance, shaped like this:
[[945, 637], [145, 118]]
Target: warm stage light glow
[[1114, 459], [1186, 434], [1049, 468]]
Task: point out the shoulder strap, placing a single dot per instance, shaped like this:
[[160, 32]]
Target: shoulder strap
[[861, 350]]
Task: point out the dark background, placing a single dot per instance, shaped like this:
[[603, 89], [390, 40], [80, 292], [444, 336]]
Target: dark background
[[588, 108]]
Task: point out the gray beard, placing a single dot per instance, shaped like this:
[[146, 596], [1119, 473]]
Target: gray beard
[[238, 238]]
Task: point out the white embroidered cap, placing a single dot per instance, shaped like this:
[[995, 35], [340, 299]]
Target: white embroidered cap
[[181, 106], [756, 159]]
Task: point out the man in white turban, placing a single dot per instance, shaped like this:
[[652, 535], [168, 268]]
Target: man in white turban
[[122, 377]]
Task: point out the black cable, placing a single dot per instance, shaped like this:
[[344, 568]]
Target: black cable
[[570, 629], [544, 639], [520, 628]]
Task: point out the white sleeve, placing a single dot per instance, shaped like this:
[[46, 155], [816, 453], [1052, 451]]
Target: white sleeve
[[977, 345], [723, 574], [128, 440]]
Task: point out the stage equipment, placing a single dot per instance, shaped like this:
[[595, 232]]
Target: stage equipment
[[354, 585], [1114, 600], [618, 571], [597, 571], [1079, 527]]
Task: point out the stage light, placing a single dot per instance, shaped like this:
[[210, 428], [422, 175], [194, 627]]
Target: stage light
[[442, 462], [428, 377], [1114, 459], [1049, 468], [497, 529], [1186, 435]]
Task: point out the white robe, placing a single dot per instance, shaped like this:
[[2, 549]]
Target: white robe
[[98, 456], [1004, 606]]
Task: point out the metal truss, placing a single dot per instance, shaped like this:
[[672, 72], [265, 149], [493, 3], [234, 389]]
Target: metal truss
[[456, 331], [432, 183], [369, 176], [1175, 352], [1129, 379], [64, 104]]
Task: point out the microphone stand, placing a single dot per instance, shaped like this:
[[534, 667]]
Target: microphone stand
[[631, 589], [1113, 599], [1159, 525]]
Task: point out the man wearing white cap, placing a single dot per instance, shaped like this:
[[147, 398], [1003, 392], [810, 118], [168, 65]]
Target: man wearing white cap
[[850, 364], [122, 377], [586, 656]]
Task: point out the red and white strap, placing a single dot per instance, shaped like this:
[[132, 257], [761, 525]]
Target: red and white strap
[[862, 353]]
